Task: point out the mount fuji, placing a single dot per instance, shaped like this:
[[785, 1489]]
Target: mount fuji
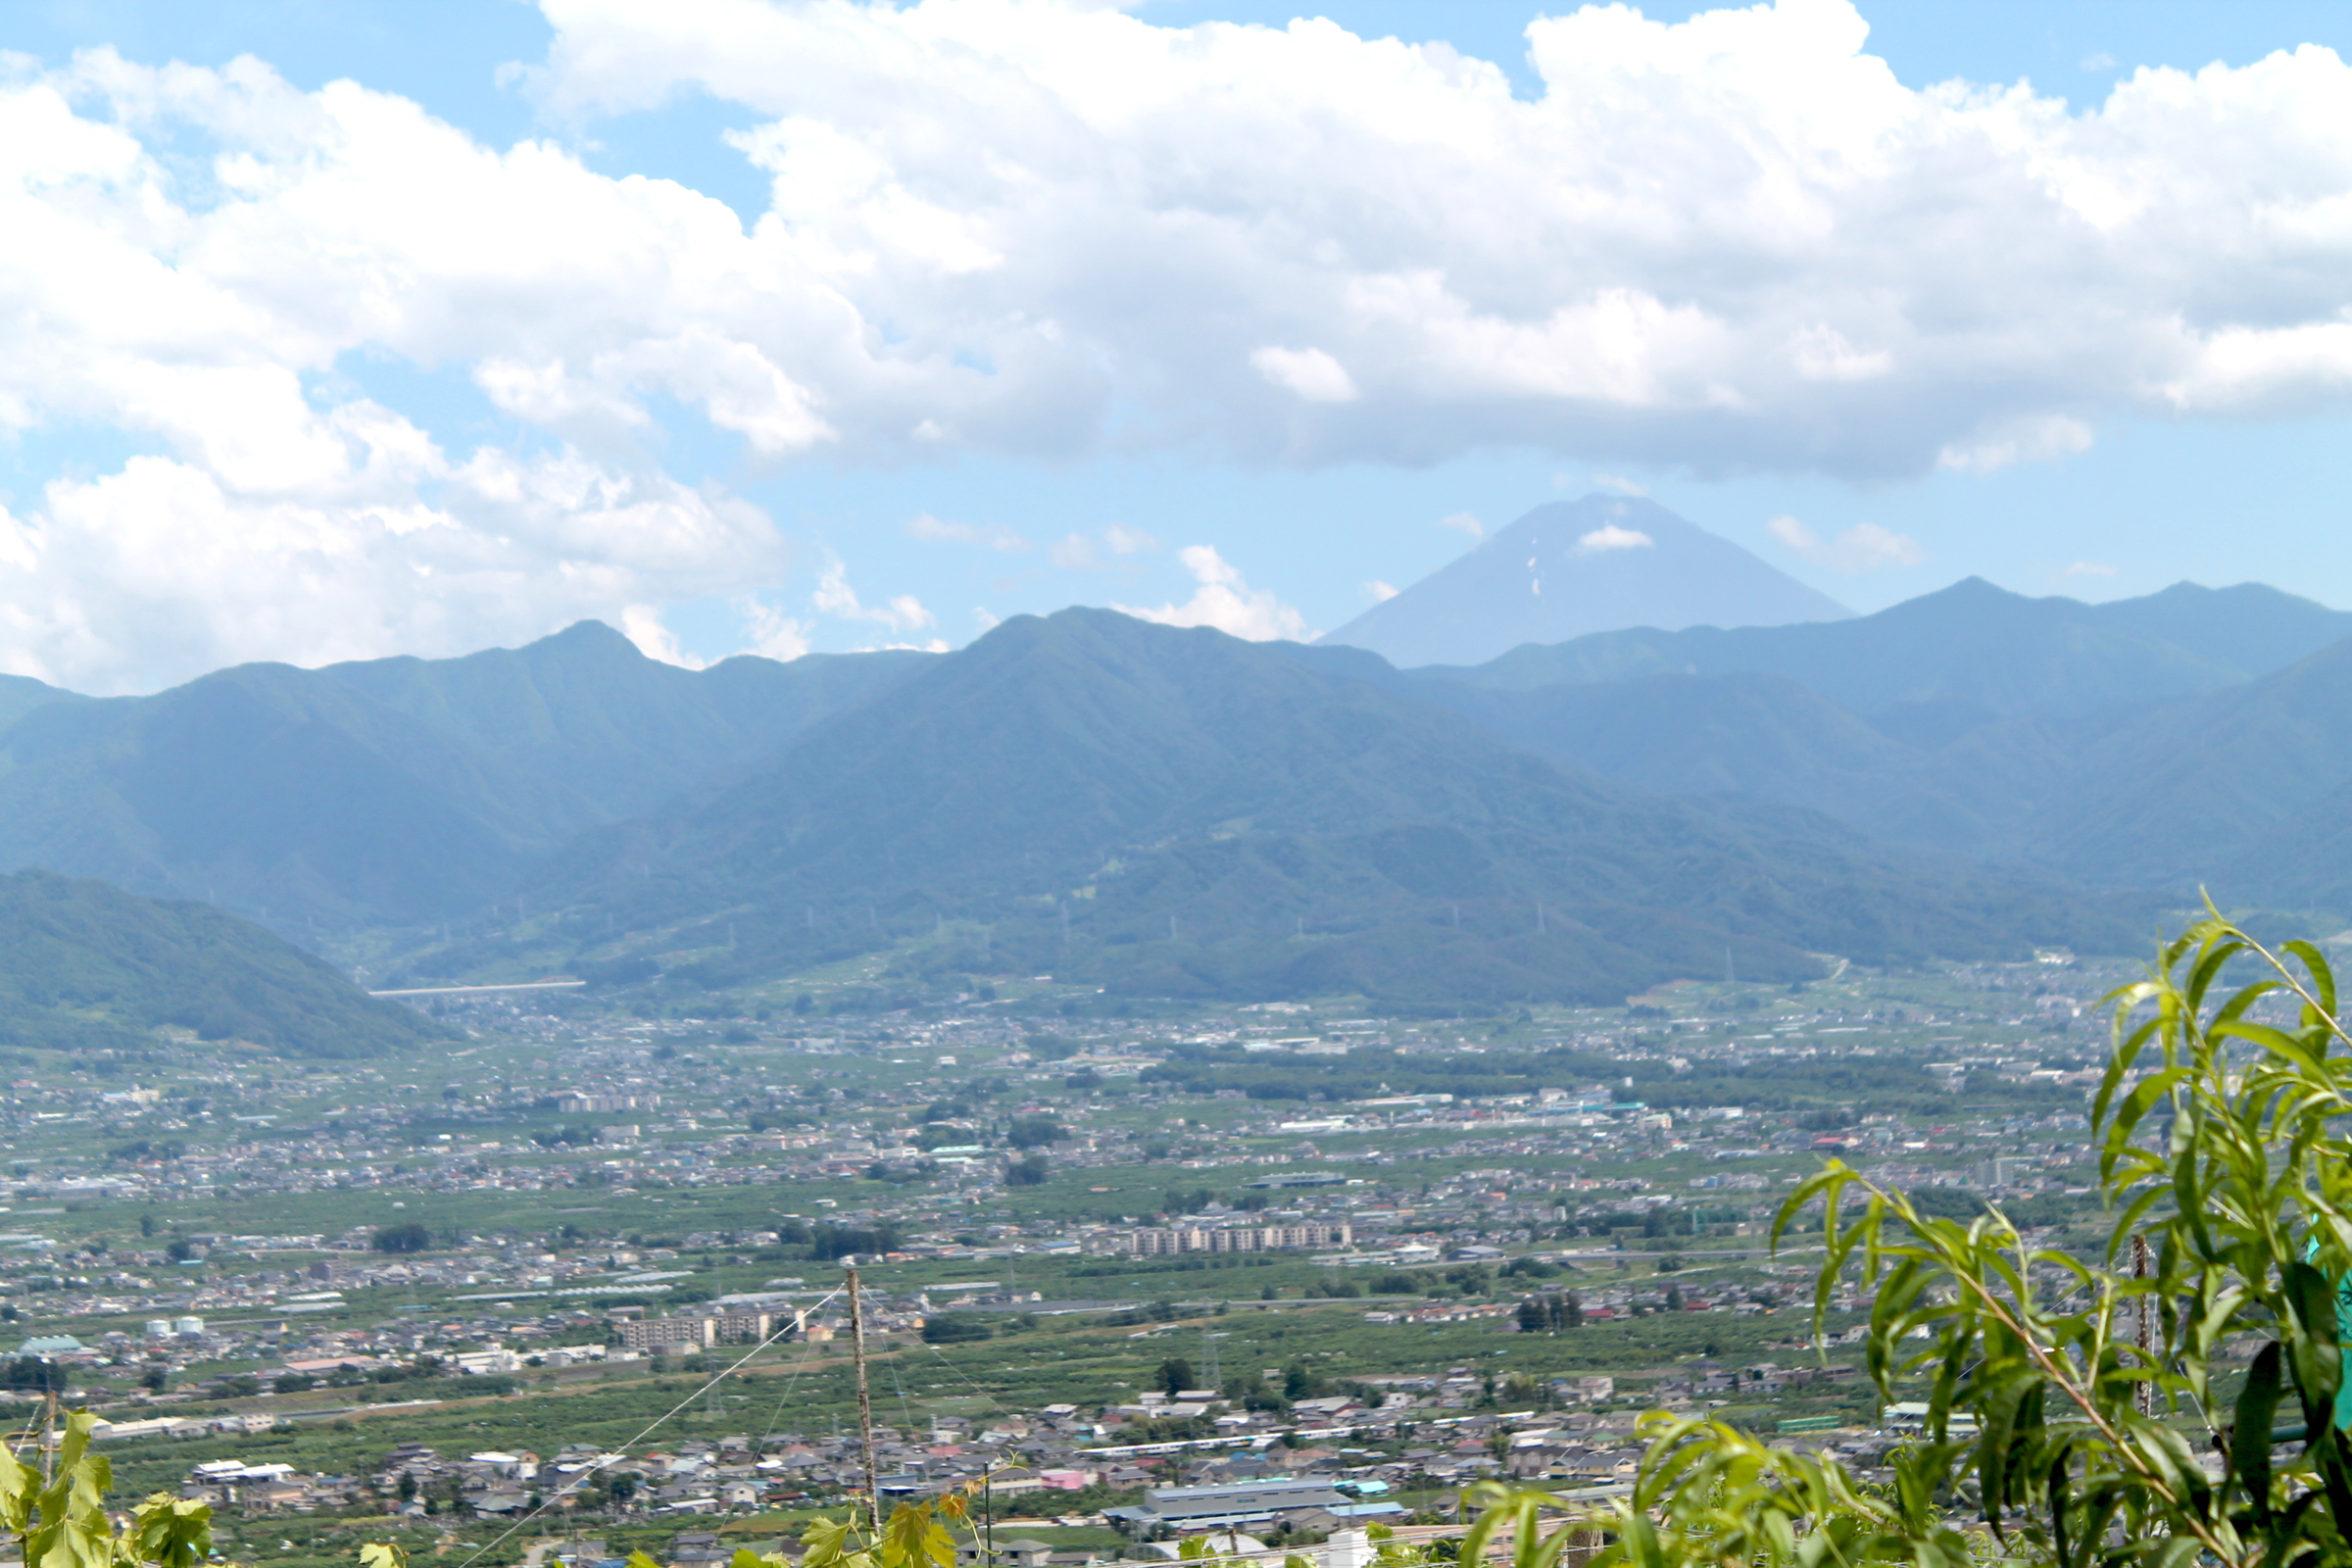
[[1602, 563]]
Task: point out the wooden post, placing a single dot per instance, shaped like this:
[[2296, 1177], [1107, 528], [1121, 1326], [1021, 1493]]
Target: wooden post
[[865, 1401], [2142, 1316]]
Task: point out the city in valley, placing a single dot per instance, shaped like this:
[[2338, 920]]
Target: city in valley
[[1126, 1271]]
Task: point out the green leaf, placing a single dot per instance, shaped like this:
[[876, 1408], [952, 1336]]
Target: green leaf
[[2319, 1362], [177, 1532], [20, 1490], [2250, 1442]]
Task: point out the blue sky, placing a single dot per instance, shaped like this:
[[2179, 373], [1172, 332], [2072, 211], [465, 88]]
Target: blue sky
[[1062, 407]]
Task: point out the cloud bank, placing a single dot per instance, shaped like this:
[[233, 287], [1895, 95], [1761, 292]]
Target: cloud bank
[[1045, 230]]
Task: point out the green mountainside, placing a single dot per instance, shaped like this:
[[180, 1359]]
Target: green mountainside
[[395, 792], [1214, 817], [83, 964]]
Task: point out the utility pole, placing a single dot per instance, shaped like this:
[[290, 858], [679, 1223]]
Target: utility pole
[[866, 1400]]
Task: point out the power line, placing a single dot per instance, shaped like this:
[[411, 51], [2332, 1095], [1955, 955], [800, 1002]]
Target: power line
[[653, 1426]]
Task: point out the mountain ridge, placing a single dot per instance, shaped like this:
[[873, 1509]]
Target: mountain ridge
[[394, 791], [1097, 775], [1972, 641], [2100, 761], [1195, 812]]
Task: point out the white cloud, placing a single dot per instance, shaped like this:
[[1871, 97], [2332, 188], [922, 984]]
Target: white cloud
[[1224, 601], [1042, 230], [1608, 536], [1079, 552], [1867, 547], [2014, 441], [923, 525], [1381, 592], [1734, 242], [1622, 485], [836, 598], [1822, 354], [770, 633], [642, 625], [2091, 569], [1462, 522], [1309, 374], [206, 311], [163, 568], [1076, 553], [1864, 547]]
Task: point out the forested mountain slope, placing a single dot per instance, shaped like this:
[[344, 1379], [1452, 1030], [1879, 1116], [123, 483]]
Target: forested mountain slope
[[84, 964], [1208, 813]]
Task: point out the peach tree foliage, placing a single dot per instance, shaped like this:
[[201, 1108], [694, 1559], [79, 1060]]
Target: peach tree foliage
[[2222, 1141], [62, 1521], [2222, 1144]]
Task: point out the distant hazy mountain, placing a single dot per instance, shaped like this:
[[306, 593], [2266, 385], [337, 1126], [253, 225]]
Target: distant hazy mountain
[[85, 965], [2242, 789], [1968, 651], [1571, 569], [2121, 743], [619, 731], [1214, 817], [394, 791], [2251, 628], [21, 694]]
